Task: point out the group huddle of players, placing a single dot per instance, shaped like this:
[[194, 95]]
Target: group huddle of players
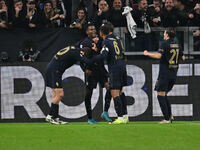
[[91, 53]]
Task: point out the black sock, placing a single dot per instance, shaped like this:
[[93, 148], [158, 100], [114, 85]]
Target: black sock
[[163, 106], [118, 106], [54, 110], [88, 102], [57, 112], [168, 105], [108, 98], [124, 103]]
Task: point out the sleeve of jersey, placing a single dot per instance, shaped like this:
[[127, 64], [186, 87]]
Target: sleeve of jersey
[[83, 66], [103, 55], [181, 52], [85, 44], [161, 49]]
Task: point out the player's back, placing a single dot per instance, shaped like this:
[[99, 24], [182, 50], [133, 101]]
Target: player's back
[[87, 42], [67, 57], [98, 66], [171, 54], [115, 51]]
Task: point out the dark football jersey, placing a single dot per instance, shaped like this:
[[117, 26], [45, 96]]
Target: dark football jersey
[[171, 54], [115, 51], [98, 66], [67, 57], [87, 42]]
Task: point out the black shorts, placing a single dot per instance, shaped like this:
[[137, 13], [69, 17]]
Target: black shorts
[[53, 76], [117, 79], [164, 84], [92, 80], [103, 77]]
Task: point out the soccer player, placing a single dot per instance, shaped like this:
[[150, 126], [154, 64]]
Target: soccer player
[[63, 60], [95, 73], [169, 54], [113, 51]]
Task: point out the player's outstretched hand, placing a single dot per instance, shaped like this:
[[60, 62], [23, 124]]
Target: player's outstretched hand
[[94, 46], [146, 52], [82, 53]]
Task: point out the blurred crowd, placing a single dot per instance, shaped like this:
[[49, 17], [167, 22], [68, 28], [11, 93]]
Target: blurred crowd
[[76, 14], [36, 14]]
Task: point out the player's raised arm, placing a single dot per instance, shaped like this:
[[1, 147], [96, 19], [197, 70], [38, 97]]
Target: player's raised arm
[[152, 55]]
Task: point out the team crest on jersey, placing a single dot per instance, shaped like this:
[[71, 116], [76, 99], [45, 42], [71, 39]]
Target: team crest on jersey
[[57, 84]]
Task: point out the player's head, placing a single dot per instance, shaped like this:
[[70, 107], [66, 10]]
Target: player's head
[[109, 25], [91, 30], [106, 29], [88, 52], [169, 33]]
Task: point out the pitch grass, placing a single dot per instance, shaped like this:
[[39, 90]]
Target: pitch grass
[[81, 136]]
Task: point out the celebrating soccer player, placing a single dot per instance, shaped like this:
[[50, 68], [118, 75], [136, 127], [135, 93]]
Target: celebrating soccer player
[[112, 50], [63, 60], [169, 54], [95, 73]]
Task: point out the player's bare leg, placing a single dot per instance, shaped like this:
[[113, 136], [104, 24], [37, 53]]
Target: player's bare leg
[[53, 117]]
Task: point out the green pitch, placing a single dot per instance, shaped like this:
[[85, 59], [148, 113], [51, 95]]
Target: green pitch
[[81, 136]]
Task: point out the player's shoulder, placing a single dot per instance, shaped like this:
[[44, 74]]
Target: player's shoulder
[[162, 47], [164, 42], [70, 49], [174, 44], [87, 42], [112, 37], [87, 39], [109, 40]]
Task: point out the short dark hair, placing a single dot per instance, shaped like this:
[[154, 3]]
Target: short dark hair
[[110, 26], [89, 25], [88, 52], [171, 32], [106, 28]]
